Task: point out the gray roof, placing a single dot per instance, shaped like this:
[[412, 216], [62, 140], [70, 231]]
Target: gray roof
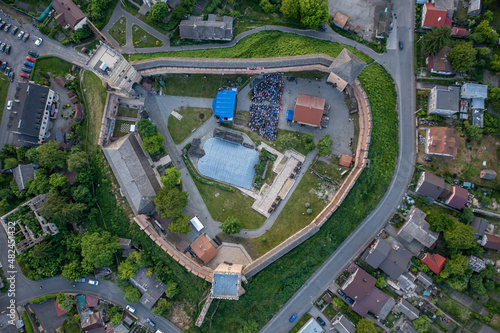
[[196, 28], [474, 5], [407, 309], [448, 99], [407, 281], [22, 173], [407, 327], [347, 66], [150, 288], [416, 227], [342, 324], [444, 4], [225, 284], [477, 103], [488, 174], [474, 90], [479, 224], [133, 172], [424, 278], [375, 255], [392, 260], [432, 186]]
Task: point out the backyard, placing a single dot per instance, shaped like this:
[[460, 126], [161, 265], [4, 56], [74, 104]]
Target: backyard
[[118, 31], [122, 128], [127, 112], [50, 64], [95, 100], [142, 39], [192, 118]]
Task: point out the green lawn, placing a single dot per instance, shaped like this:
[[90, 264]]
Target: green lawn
[[70, 326], [119, 31], [54, 65], [127, 112], [331, 170], [27, 323], [95, 100], [141, 38], [4, 88], [180, 130], [273, 287], [198, 85], [122, 128], [264, 44]]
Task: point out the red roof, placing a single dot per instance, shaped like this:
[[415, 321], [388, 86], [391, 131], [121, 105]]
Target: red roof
[[435, 262], [204, 249], [435, 18], [58, 310], [309, 110], [491, 242], [345, 160], [91, 301], [459, 32], [441, 141]]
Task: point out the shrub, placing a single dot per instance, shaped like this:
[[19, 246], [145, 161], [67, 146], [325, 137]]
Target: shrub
[[204, 180], [42, 299]]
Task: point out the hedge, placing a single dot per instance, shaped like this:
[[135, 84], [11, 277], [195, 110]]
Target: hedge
[[204, 180]]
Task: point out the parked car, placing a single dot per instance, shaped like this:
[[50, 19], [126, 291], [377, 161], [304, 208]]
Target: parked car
[[341, 293], [25, 38], [150, 322], [30, 59], [80, 280], [33, 54], [321, 321], [9, 105], [7, 71], [27, 70], [349, 300], [93, 282], [14, 30], [26, 76], [293, 317], [2, 47], [7, 27], [130, 309], [11, 76], [21, 34], [428, 159], [3, 66], [401, 46], [322, 27], [28, 64], [2, 25], [7, 50], [38, 42]]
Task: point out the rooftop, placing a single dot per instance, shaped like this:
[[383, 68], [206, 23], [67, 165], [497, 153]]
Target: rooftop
[[446, 99], [416, 227], [340, 19], [345, 160], [22, 173], [459, 197], [479, 224], [435, 262], [435, 18], [392, 260], [68, 12], [226, 282], [309, 110], [204, 249], [214, 28], [474, 90], [347, 66], [439, 62], [491, 241], [441, 141], [150, 288]]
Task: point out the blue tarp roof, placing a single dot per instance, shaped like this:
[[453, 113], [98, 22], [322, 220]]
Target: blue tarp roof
[[224, 104], [289, 115]]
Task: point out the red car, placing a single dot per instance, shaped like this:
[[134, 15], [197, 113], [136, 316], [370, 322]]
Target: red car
[[30, 59], [26, 76]]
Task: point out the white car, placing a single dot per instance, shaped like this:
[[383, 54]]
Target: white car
[[158, 331], [9, 105], [38, 42], [93, 282], [130, 309]]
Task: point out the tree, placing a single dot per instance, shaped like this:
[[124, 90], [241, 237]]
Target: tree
[[172, 290], [180, 225], [249, 327], [9, 163], [60, 210], [487, 272], [162, 307], [456, 266], [126, 270], [50, 156], [159, 11], [483, 51], [462, 56], [495, 97], [484, 33], [4, 207], [495, 63], [98, 249], [132, 295], [117, 317], [266, 6], [313, 13], [460, 237], [422, 323], [189, 5], [58, 180], [324, 145], [170, 202], [65, 302], [436, 39], [154, 143], [78, 161], [82, 194], [440, 222], [172, 177], [476, 283], [308, 142], [32, 155], [231, 226], [72, 271], [40, 184], [473, 131], [467, 215], [381, 283], [290, 9], [146, 127], [365, 326], [78, 35], [289, 141]]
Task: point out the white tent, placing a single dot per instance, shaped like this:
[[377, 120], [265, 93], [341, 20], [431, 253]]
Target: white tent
[[197, 224]]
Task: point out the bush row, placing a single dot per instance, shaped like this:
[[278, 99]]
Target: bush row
[[204, 180], [42, 299]]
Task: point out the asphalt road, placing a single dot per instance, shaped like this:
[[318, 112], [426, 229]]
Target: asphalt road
[[400, 64]]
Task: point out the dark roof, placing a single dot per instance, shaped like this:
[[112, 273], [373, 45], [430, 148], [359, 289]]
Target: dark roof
[[424, 278], [459, 197], [416, 227], [358, 284], [479, 224], [435, 262], [407, 309], [392, 260], [133, 172], [342, 324], [60, 80], [78, 112], [91, 301], [309, 110], [407, 327], [439, 62], [90, 320], [22, 173], [491, 241], [430, 185], [376, 302], [488, 174], [377, 253], [150, 288], [68, 12], [213, 28], [347, 66], [444, 99]]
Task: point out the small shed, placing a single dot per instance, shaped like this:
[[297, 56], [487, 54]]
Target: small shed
[[289, 115], [488, 174], [224, 105], [345, 160], [60, 80]]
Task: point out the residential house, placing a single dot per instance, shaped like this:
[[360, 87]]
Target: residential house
[[90, 320], [91, 301], [477, 264], [431, 17], [444, 102], [435, 262], [430, 185], [384, 24], [404, 307], [406, 282], [458, 198], [459, 32], [150, 288], [226, 282], [407, 327], [439, 64], [311, 326], [473, 91], [204, 249], [417, 229], [474, 8], [22, 173], [126, 246], [345, 69], [480, 225], [446, 5], [441, 141], [424, 279], [342, 324], [340, 20], [392, 260], [491, 241], [488, 174], [214, 28], [68, 14], [360, 287]]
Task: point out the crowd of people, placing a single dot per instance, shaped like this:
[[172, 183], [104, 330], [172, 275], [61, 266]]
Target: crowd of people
[[264, 120], [269, 89]]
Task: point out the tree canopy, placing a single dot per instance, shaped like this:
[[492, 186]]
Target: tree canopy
[[50, 156], [289, 141], [154, 143], [462, 56], [172, 177], [311, 13], [146, 127], [436, 39], [324, 145], [159, 11], [231, 226], [484, 33], [170, 202], [98, 249], [365, 326], [78, 161], [162, 307], [422, 323], [65, 301], [180, 225]]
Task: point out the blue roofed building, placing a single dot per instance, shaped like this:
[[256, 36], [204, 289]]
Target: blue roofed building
[[475, 94], [224, 105], [474, 90], [226, 282]]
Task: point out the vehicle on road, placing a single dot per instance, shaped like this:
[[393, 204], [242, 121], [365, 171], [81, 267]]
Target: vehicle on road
[[11, 76], [7, 71], [7, 27], [321, 321], [93, 282], [3, 66], [26, 70], [14, 30], [150, 322], [322, 27], [21, 34], [2, 25], [28, 64], [293, 317], [30, 59], [9, 105], [26, 76], [428, 159], [401, 46], [33, 54], [25, 38], [2, 47], [80, 280], [38, 42], [130, 309], [7, 50]]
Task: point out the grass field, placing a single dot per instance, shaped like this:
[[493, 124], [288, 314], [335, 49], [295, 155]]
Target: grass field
[[332, 170], [264, 44], [118, 31], [122, 128], [4, 88], [272, 287], [198, 85], [95, 100], [180, 130], [45, 64], [141, 38], [127, 112]]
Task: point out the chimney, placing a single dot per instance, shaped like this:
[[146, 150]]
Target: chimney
[[364, 279]]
